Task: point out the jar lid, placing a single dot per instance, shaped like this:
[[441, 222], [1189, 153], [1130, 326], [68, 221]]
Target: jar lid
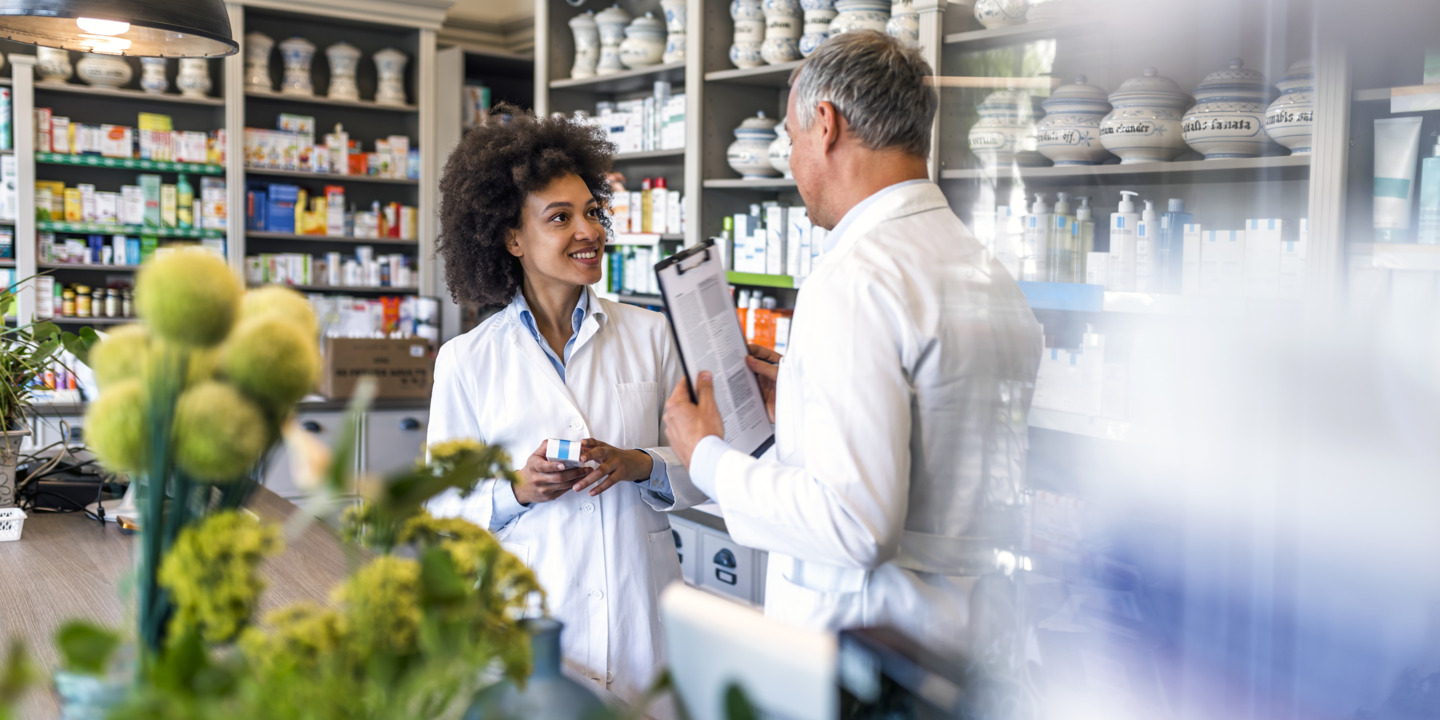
[[759, 122], [585, 19], [647, 25], [1235, 79], [1151, 88], [1080, 91], [1301, 74], [612, 15], [298, 41]]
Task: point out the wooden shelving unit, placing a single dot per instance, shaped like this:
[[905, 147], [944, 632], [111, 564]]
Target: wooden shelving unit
[[127, 94], [322, 100], [631, 80]]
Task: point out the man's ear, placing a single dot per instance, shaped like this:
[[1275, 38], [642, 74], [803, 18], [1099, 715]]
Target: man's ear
[[830, 124], [512, 242]]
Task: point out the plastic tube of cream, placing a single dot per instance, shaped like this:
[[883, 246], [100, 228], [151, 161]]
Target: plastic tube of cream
[[1397, 147]]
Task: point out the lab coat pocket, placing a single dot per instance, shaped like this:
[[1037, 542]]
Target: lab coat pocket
[[640, 404], [519, 550]]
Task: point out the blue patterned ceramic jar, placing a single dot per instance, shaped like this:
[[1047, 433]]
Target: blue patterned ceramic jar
[[1145, 124], [296, 53], [1228, 120], [1005, 132], [152, 75], [1069, 134], [749, 155], [904, 22], [782, 31], [675, 31], [749, 20], [1291, 118], [818, 16], [1000, 13], [780, 150], [587, 45], [860, 15], [644, 43], [612, 22]]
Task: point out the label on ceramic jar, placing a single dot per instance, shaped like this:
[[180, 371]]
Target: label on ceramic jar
[[1286, 116], [1064, 137], [749, 31], [1222, 123], [989, 140], [1129, 128], [782, 26]]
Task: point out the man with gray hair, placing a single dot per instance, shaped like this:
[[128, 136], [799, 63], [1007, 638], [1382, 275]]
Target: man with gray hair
[[900, 409]]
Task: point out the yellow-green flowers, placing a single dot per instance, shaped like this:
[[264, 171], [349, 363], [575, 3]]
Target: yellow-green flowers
[[272, 359], [382, 607], [212, 572], [188, 297], [219, 435], [115, 427], [121, 356], [298, 636], [280, 302]]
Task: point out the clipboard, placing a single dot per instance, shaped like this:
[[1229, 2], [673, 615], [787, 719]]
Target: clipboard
[[707, 333]]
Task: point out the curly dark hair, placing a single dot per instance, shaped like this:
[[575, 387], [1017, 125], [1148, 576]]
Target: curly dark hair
[[484, 186]]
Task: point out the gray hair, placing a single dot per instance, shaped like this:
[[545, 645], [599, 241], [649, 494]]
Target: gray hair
[[877, 83]]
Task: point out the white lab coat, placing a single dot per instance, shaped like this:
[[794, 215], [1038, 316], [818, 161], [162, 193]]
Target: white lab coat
[[601, 560], [900, 410]]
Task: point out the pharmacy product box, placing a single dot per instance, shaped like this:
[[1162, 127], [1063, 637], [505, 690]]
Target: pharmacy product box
[[280, 207], [117, 141], [402, 368], [60, 135], [1263, 237], [9, 188], [1192, 242], [150, 189]]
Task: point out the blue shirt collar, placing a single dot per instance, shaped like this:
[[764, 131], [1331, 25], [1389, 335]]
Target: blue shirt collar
[[527, 318], [833, 239]]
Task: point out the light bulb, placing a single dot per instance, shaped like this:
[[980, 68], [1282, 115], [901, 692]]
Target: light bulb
[[105, 45], [103, 27]]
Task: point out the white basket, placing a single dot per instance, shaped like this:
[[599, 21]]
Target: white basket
[[12, 521]]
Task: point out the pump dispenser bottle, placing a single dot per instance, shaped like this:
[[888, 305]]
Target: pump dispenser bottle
[[1035, 259], [1123, 230], [1429, 231], [1082, 240], [1170, 247], [1059, 240], [1145, 236]]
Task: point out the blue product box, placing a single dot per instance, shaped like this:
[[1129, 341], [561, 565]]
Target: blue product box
[[280, 207], [412, 166], [96, 242], [132, 251], [255, 201]]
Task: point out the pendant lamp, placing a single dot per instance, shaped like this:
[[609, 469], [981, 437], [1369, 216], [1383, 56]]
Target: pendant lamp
[[146, 28]]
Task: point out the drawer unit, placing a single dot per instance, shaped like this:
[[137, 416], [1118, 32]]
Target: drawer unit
[[730, 569], [687, 543], [328, 426], [394, 440]]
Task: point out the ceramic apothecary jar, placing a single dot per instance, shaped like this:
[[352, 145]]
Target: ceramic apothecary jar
[[1291, 118], [782, 31], [780, 150], [194, 78], [390, 69], [749, 155], [1005, 132], [296, 53], [344, 58], [644, 42], [52, 64], [860, 15], [109, 71], [257, 62], [153, 77], [904, 22], [1145, 124], [587, 45], [612, 22], [1000, 13], [1228, 119], [675, 17], [1069, 134], [817, 17], [749, 20]]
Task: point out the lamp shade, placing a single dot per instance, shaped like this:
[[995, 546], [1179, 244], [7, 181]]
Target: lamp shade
[[147, 28]]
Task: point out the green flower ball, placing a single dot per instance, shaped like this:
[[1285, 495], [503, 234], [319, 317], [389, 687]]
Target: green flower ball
[[121, 356], [115, 426], [281, 302], [188, 297], [273, 360], [219, 434], [203, 365]]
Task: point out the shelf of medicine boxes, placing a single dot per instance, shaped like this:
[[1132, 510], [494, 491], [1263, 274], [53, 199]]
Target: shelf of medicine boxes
[[95, 267], [72, 320], [1219, 170], [328, 177], [138, 95], [322, 100], [261, 235], [1411, 98], [128, 163], [759, 280], [770, 76], [675, 154], [110, 229], [634, 80], [358, 289]]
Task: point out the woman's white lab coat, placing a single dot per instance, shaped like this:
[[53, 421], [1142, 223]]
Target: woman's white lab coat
[[602, 560]]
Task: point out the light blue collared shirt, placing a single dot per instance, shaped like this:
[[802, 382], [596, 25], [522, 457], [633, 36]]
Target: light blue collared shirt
[[706, 458], [504, 507]]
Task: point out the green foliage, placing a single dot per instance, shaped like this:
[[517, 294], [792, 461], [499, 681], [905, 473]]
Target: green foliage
[[86, 648], [213, 574], [16, 677], [26, 351]]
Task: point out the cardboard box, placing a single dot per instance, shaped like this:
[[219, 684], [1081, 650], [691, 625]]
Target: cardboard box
[[403, 368]]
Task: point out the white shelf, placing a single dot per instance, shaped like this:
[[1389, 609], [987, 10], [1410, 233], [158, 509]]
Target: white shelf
[[676, 154], [329, 177], [391, 290], [1382, 256], [1219, 170], [322, 100], [261, 235], [1412, 98], [1077, 424], [644, 239], [1014, 34], [135, 95], [743, 184], [627, 81], [773, 76]]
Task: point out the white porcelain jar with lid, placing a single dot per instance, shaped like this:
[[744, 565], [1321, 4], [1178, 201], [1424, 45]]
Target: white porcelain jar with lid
[[904, 22], [193, 81], [52, 64], [1069, 134], [1228, 119], [1290, 119], [860, 15], [1000, 13], [296, 53], [257, 61], [390, 68], [344, 59], [782, 31], [1005, 132], [612, 22], [153, 75], [780, 150], [675, 18], [749, 155], [110, 71], [818, 16], [587, 45], [644, 42], [1145, 124], [748, 18]]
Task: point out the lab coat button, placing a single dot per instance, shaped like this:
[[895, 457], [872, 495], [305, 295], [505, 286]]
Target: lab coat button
[[609, 677], [576, 424], [595, 594], [588, 507]]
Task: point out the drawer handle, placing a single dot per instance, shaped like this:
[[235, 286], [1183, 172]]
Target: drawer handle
[[409, 424], [311, 426], [725, 559], [725, 577]]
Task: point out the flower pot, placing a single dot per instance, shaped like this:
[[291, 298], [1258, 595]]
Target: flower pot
[[547, 694], [9, 458], [87, 697]]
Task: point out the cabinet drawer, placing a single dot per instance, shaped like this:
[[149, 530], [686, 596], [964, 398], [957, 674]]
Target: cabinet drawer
[[394, 439], [327, 427]]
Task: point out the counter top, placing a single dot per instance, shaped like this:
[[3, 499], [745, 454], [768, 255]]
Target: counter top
[[67, 566], [316, 404]]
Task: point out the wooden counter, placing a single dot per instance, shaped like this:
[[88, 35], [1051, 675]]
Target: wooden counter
[[69, 566]]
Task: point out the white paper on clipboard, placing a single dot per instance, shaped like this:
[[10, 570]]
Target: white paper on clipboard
[[707, 332]]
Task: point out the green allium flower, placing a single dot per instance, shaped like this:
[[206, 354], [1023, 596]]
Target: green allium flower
[[115, 426], [382, 607], [204, 363], [213, 574], [280, 302], [121, 356], [188, 297], [273, 360], [219, 434]]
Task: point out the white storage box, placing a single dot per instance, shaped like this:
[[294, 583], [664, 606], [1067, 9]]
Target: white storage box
[[12, 521]]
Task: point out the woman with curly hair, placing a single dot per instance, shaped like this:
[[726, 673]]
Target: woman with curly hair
[[523, 228]]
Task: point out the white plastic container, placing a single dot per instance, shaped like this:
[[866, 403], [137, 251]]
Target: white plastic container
[[12, 522]]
